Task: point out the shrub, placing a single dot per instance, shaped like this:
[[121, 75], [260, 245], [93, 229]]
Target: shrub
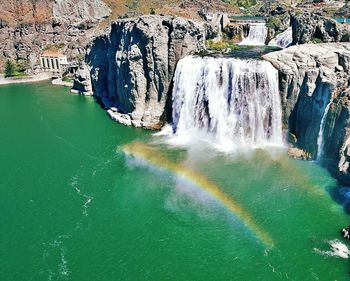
[[317, 41], [22, 65], [274, 23], [10, 68]]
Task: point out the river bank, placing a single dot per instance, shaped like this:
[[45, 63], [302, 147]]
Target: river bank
[[29, 79]]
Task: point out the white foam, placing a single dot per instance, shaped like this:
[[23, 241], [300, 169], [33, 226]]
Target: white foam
[[88, 199], [257, 35], [227, 103], [337, 249], [283, 40]]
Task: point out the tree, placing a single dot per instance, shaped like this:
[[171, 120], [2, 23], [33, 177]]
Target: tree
[[10, 68]]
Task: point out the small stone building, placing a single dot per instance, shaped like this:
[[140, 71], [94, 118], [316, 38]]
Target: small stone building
[[53, 61]]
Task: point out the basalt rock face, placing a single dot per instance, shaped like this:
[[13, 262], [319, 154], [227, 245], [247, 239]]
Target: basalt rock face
[[82, 82], [236, 33], [63, 24], [132, 66], [25, 42], [79, 12], [313, 78], [308, 27], [336, 149]]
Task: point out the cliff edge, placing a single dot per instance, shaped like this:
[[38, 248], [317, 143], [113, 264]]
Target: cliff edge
[[133, 64], [313, 82]]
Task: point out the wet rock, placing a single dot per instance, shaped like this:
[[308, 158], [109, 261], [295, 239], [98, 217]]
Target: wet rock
[[299, 154]]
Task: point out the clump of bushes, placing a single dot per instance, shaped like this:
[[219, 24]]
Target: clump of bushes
[[274, 23], [241, 3], [15, 69], [317, 40], [54, 47]]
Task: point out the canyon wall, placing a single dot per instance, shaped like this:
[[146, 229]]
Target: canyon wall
[[313, 78], [133, 64], [28, 27]]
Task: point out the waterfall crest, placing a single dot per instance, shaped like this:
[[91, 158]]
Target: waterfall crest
[[229, 102], [257, 35]]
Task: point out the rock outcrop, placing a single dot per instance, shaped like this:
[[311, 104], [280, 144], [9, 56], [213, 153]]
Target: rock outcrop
[[236, 33], [309, 27], [132, 66], [79, 12], [314, 77], [82, 82]]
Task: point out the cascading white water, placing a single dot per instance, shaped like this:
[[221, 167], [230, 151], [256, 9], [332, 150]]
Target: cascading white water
[[284, 39], [320, 142], [228, 102], [257, 35]]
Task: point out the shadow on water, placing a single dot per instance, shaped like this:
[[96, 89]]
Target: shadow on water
[[341, 195]]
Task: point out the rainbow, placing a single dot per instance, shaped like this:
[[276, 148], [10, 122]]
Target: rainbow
[[155, 158]]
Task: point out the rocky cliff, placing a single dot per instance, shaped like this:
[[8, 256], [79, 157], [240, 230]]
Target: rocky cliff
[[79, 12], [32, 26], [308, 27], [133, 64], [313, 78]]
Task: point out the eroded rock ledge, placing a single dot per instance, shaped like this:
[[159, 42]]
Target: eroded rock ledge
[[310, 78], [133, 64]]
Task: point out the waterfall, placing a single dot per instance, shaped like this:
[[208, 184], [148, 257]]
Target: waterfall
[[257, 35], [320, 142], [228, 102], [284, 39]]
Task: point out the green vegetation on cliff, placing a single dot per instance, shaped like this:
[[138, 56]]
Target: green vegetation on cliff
[[9, 68], [242, 3], [13, 69]]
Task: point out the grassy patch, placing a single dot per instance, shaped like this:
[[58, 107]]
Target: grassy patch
[[224, 45], [317, 41], [67, 79], [54, 47], [20, 74]]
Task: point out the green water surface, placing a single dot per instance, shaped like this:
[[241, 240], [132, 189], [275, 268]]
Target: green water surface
[[74, 207]]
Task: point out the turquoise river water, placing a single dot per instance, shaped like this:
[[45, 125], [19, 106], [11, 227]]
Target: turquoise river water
[[74, 206]]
